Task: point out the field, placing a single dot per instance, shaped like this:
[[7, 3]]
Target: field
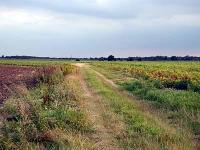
[[12, 77], [99, 105]]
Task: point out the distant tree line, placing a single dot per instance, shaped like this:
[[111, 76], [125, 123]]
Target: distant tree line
[[151, 58], [112, 58], [31, 57], [164, 58]]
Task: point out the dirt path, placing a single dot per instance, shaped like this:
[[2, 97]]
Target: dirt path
[[95, 109], [99, 74]]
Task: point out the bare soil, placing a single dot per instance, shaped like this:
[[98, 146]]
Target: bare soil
[[12, 77]]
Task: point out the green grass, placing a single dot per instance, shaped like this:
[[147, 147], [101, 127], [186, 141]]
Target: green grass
[[181, 107], [168, 98], [142, 131], [49, 115]]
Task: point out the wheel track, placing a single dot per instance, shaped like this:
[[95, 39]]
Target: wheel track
[[104, 138]]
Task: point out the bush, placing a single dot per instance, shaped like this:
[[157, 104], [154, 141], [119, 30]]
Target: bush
[[178, 85], [182, 85], [195, 88]]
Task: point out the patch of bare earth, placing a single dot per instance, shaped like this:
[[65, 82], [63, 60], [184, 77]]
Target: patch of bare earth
[[16, 79]]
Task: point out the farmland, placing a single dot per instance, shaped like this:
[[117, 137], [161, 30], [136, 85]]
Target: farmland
[[171, 89], [13, 77], [99, 105]]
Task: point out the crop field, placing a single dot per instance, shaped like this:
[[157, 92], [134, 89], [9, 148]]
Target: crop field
[[172, 89], [48, 104]]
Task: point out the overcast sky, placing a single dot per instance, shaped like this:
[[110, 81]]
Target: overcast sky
[[84, 28]]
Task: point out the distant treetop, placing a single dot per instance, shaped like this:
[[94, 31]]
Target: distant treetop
[[111, 58]]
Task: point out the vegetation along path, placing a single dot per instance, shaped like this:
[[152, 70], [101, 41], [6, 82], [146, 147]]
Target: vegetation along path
[[122, 124]]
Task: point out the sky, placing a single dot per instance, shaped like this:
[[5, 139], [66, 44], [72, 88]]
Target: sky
[[94, 28]]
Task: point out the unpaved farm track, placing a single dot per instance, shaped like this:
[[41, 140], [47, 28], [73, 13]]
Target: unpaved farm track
[[93, 103], [15, 76]]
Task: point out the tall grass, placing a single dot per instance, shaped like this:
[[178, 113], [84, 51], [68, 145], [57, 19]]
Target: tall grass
[[179, 99], [183, 106], [48, 117], [142, 131]]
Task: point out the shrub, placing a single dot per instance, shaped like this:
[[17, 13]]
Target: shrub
[[182, 85], [179, 85]]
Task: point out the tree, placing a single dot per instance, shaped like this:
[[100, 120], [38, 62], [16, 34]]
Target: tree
[[130, 59], [101, 59], [174, 58], [111, 58]]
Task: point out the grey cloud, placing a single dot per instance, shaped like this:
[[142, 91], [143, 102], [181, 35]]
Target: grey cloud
[[84, 39], [127, 42], [115, 9]]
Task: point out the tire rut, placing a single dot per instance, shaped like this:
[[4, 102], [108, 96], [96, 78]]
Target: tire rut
[[95, 108]]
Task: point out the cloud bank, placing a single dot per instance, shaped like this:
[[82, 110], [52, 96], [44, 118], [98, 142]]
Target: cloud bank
[[85, 28]]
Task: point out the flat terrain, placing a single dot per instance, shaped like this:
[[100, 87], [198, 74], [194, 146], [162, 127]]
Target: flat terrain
[[168, 90], [101, 105], [13, 76]]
